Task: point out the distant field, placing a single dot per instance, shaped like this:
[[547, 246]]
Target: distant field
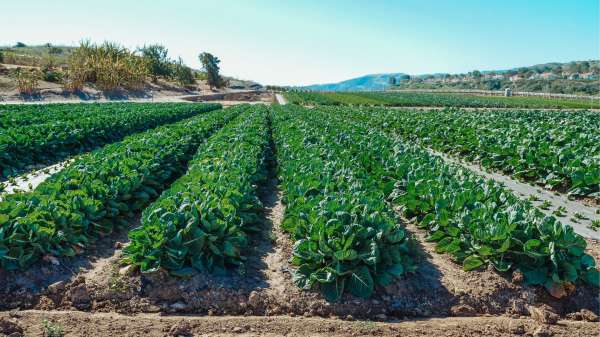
[[434, 99]]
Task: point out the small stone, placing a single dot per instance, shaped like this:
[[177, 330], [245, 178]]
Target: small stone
[[543, 315], [516, 328], [78, 280], [80, 297], [349, 318], [237, 329], [152, 308], [307, 314], [542, 331], [56, 287], [588, 315], [254, 299], [461, 310], [517, 276], [118, 245], [519, 307], [181, 329]]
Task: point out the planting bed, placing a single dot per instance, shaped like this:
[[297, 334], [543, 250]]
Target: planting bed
[[306, 216]]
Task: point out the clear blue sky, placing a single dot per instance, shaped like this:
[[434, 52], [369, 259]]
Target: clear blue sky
[[312, 41]]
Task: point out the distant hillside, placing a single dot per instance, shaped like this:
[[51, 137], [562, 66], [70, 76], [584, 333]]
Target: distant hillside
[[577, 77], [367, 82]]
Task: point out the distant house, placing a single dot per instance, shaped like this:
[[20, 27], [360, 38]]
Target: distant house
[[589, 76], [548, 76], [574, 76], [515, 78]]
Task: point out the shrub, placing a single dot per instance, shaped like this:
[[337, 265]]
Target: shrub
[[182, 73], [27, 80], [51, 75], [109, 65], [20, 45]]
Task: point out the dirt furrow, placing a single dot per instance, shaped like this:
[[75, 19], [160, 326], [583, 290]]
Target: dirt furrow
[[28, 182], [570, 212]]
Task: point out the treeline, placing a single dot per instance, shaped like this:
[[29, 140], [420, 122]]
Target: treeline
[[109, 66], [577, 77], [558, 86]]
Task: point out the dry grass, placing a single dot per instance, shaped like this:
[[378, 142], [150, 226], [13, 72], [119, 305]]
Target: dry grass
[[109, 65]]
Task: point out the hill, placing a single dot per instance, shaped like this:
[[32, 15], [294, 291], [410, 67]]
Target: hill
[[367, 82], [577, 77]]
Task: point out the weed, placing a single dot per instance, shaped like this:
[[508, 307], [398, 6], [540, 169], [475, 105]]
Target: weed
[[52, 329]]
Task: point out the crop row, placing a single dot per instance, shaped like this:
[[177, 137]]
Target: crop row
[[55, 139], [30, 114], [433, 99], [201, 222], [99, 191], [559, 150], [346, 237], [477, 222]]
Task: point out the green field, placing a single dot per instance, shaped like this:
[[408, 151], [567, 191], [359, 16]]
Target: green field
[[189, 175], [435, 100]]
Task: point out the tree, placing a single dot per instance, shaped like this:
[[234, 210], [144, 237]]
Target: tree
[[392, 81], [476, 74], [20, 45], [404, 77], [210, 64], [182, 73], [158, 61]]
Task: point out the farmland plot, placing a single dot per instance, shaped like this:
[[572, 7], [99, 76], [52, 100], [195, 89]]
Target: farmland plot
[[395, 99], [98, 192], [45, 138], [557, 150], [350, 222]]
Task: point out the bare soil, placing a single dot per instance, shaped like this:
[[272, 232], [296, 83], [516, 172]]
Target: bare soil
[[77, 323]]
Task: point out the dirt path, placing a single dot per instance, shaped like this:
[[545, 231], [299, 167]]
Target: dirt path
[[75, 323], [272, 235], [488, 109], [538, 196], [280, 99], [28, 182]]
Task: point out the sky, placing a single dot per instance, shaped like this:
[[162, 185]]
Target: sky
[[285, 42]]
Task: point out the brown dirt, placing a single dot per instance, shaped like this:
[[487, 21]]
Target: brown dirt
[[76, 323]]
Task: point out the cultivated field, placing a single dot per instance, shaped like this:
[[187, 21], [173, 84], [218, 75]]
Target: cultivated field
[[181, 219], [397, 99]]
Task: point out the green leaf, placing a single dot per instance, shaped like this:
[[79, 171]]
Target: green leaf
[[472, 262], [396, 269], [592, 277], [535, 277], [360, 282], [531, 244], [332, 291]]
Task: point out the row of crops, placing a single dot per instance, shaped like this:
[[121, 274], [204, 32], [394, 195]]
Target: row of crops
[[475, 221], [556, 149], [99, 191], [398, 99], [194, 185], [34, 135]]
